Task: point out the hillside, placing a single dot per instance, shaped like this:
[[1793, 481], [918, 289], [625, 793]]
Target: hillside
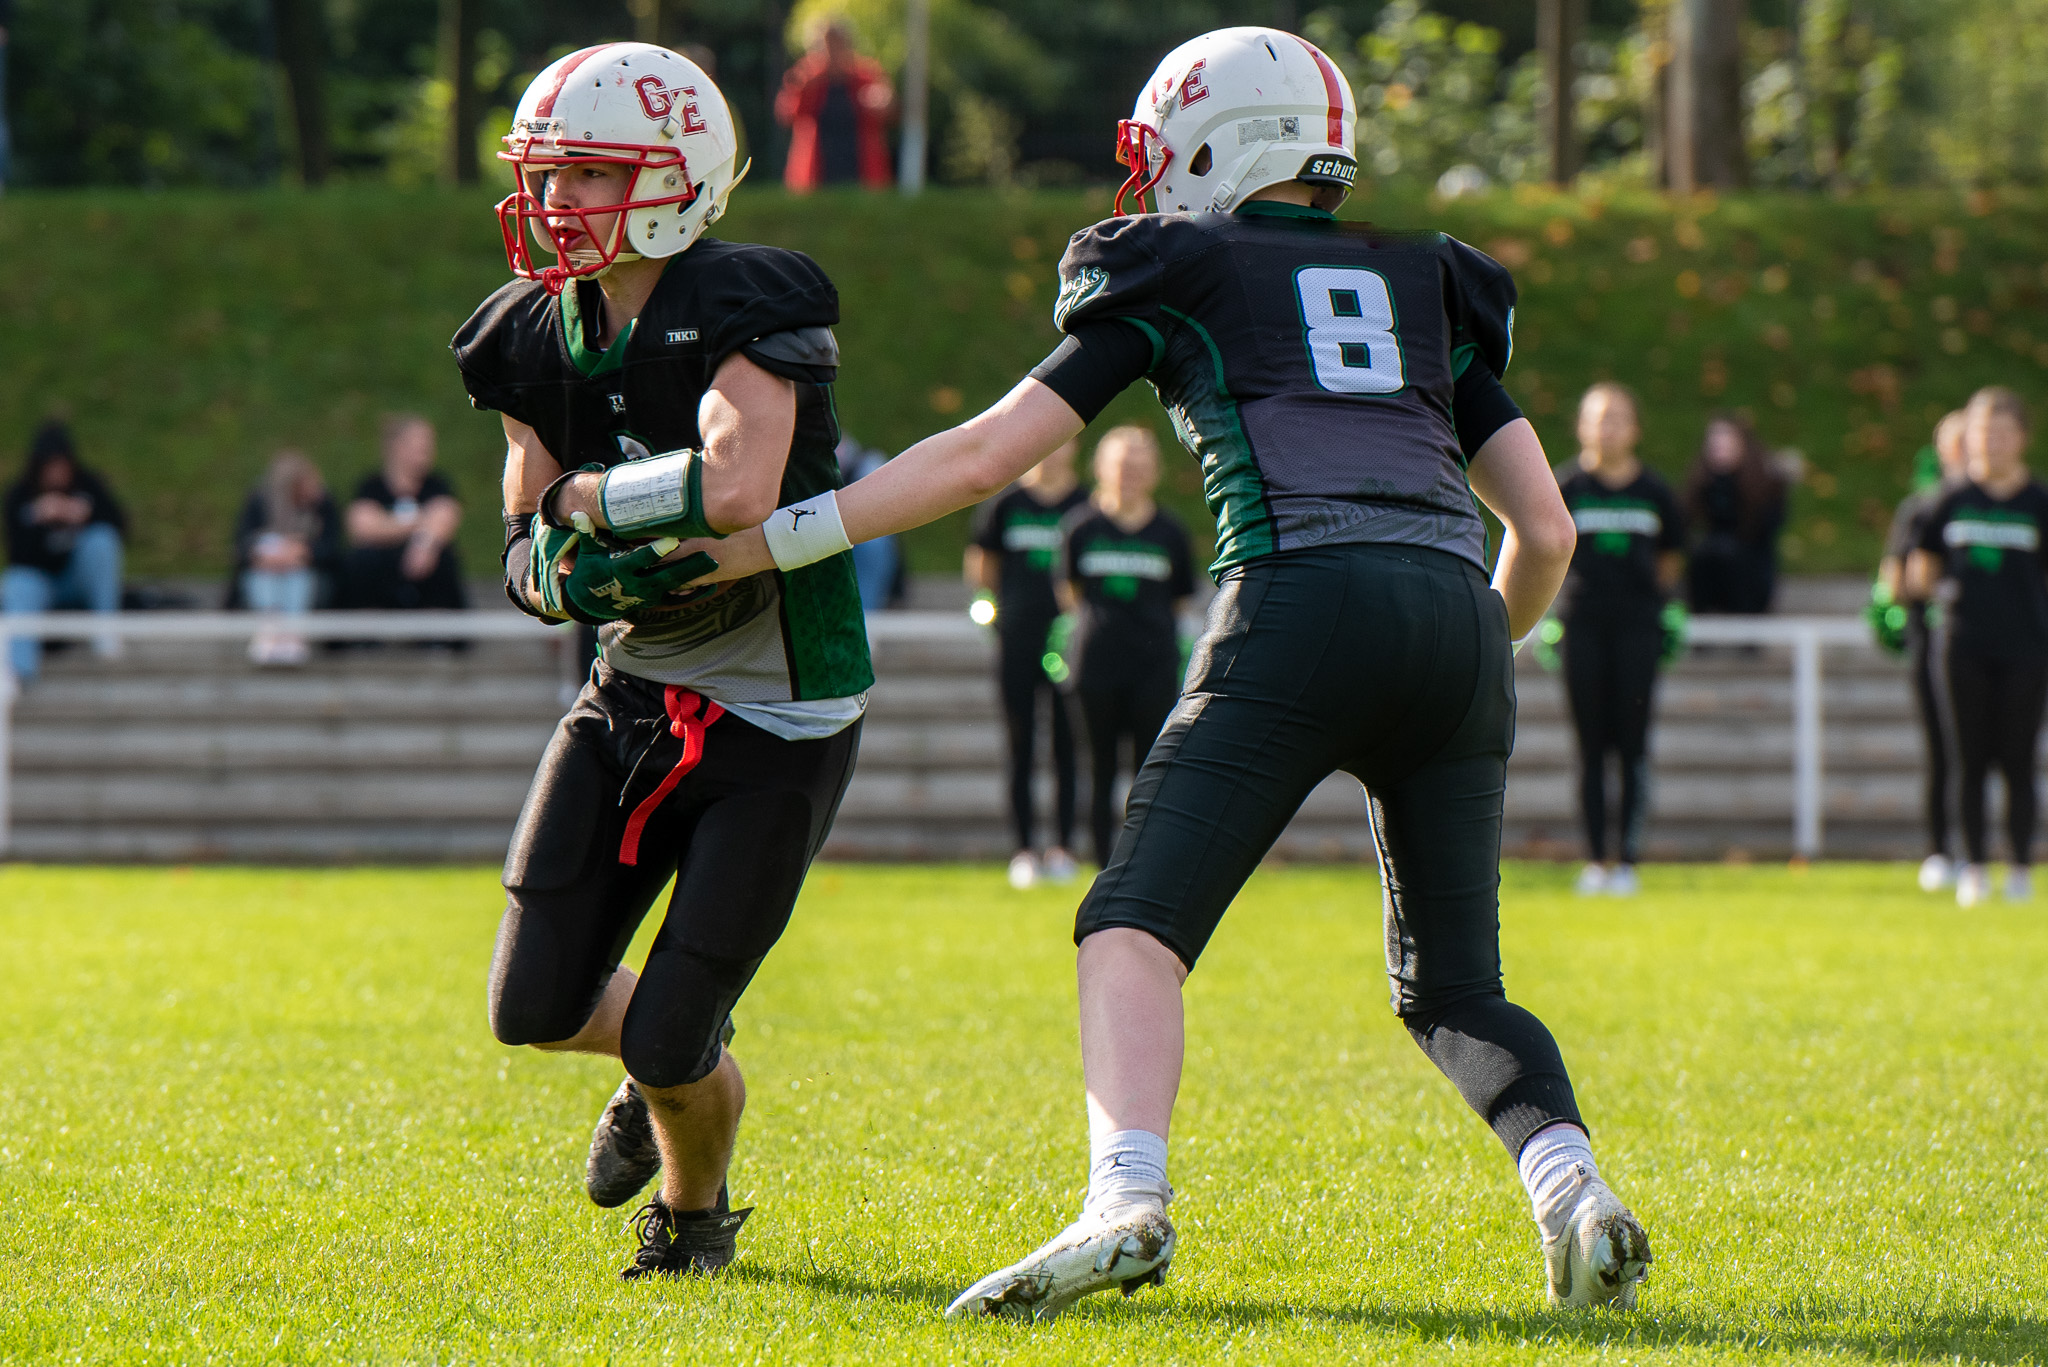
[[190, 335]]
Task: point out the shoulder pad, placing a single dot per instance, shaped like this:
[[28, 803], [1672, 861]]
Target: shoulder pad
[[497, 349], [798, 346], [753, 291], [1110, 270]]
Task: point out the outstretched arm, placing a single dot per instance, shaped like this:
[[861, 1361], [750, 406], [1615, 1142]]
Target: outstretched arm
[[958, 467], [1513, 479]]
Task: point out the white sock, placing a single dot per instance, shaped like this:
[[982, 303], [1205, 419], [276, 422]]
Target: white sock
[[1555, 1165], [1126, 1167]]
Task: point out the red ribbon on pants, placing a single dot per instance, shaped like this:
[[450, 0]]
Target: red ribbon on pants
[[688, 716]]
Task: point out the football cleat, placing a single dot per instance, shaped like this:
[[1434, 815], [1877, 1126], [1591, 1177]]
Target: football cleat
[[1601, 1255], [695, 1243], [623, 1154], [1936, 873], [1127, 1247]]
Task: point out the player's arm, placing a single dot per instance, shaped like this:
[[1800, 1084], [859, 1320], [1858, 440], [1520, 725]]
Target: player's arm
[[1512, 478], [978, 568], [1922, 572], [529, 469], [941, 474], [747, 419]]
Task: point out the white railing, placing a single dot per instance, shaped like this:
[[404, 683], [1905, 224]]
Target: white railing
[[1805, 636]]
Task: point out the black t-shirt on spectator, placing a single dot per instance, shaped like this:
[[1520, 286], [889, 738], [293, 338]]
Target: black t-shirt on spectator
[[1622, 532], [377, 490], [1993, 594], [1024, 536], [1128, 583], [47, 546]]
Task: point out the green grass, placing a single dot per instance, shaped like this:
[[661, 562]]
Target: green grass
[[257, 1116], [192, 334]]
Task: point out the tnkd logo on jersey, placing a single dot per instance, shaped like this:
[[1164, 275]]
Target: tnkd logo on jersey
[[659, 101]]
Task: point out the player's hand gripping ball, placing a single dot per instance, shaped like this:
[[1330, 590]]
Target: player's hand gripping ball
[[607, 585]]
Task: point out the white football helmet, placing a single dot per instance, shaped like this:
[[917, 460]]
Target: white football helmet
[[636, 105], [1234, 111]]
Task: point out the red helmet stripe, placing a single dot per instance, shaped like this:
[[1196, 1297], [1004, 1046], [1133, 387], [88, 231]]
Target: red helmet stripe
[[1331, 89], [546, 107]]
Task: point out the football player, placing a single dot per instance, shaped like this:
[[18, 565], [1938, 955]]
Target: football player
[[1340, 386], [655, 384]]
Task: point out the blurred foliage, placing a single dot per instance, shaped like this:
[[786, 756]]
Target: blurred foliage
[[189, 335]]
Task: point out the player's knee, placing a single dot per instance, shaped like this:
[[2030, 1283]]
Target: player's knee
[[516, 1020], [669, 1059]]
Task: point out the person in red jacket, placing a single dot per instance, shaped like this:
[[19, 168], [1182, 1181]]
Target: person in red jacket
[[835, 104]]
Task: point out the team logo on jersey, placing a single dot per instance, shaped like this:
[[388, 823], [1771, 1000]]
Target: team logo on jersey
[[618, 402], [1088, 282], [632, 448], [678, 336], [660, 101]]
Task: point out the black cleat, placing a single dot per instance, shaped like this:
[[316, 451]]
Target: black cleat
[[695, 1243], [623, 1154]]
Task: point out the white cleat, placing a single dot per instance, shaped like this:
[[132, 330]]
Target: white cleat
[[1973, 885], [1936, 873], [2019, 884], [1127, 1247], [1059, 866], [1592, 881], [1602, 1255], [1023, 869], [1622, 881]]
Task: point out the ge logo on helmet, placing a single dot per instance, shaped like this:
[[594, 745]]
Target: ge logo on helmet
[[659, 101]]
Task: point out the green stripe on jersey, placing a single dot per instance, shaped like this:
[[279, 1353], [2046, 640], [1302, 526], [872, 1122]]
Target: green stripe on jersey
[[1208, 424], [825, 631]]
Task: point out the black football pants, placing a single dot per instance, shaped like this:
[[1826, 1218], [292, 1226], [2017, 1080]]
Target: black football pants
[[738, 834], [1995, 707], [1133, 707], [1020, 673], [1392, 664], [1610, 675], [1934, 729]]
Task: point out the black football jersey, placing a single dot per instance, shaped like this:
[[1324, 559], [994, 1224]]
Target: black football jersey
[[772, 638], [1309, 365]]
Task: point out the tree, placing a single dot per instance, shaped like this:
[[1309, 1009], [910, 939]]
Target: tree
[[458, 69], [1703, 116], [300, 30], [1558, 24]]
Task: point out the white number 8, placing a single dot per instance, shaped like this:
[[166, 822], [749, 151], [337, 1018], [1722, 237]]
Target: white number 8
[[1351, 339]]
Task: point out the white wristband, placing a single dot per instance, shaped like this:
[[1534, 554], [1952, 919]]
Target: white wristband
[[805, 533]]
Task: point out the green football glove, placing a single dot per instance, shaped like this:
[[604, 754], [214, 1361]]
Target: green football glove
[[1677, 624], [1887, 618], [1059, 642], [606, 586], [553, 554]]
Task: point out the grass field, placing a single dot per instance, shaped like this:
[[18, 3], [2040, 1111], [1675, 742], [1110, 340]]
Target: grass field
[[257, 1117]]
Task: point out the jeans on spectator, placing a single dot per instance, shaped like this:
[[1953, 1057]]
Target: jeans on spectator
[[278, 590], [874, 568], [91, 580]]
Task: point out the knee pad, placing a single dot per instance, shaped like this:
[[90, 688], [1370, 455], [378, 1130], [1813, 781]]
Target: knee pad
[[681, 1017]]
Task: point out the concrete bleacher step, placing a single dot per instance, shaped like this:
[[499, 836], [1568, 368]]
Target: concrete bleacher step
[[187, 752]]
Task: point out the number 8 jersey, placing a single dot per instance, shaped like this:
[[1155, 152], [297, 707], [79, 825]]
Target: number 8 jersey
[[1333, 379]]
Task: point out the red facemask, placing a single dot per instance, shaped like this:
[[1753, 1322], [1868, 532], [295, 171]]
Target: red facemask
[[525, 213]]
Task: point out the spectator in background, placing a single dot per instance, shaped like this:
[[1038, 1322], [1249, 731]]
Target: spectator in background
[[1736, 504], [1627, 562], [64, 548], [1126, 571], [1982, 544], [401, 528], [1948, 473], [877, 564], [1016, 541], [835, 104], [287, 542]]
